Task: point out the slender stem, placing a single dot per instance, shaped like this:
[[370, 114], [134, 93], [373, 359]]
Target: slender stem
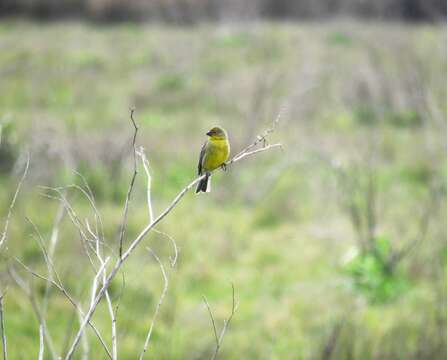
[[213, 322], [132, 183], [149, 183], [41, 342], [13, 202], [226, 323], [160, 302], [2, 329]]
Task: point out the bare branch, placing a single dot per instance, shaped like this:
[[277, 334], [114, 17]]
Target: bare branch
[[260, 139], [61, 288], [35, 274], [37, 311], [13, 202], [213, 322], [160, 302], [132, 182], [53, 242], [107, 295], [110, 307], [97, 276], [113, 320], [219, 339], [41, 342], [98, 234], [172, 259], [86, 243], [227, 322], [242, 155], [84, 342], [2, 329], [145, 162], [91, 198]]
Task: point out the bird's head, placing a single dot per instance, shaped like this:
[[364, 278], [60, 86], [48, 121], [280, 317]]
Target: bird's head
[[217, 133]]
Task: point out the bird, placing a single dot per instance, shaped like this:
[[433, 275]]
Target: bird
[[214, 154]]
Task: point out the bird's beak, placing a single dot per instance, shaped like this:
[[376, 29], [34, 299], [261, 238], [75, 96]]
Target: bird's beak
[[209, 133]]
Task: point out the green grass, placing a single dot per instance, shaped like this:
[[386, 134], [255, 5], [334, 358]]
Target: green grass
[[276, 225]]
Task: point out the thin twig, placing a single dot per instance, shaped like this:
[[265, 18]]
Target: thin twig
[[253, 152], [35, 274], [160, 302], [60, 287], [145, 162], [213, 322], [91, 198], [259, 139], [172, 259], [113, 321], [52, 248], [84, 342], [132, 183], [75, 220], [219, 338], [98, 273], [2, 328], [107, 295], [41, 342], [37, 311], [13, 202]]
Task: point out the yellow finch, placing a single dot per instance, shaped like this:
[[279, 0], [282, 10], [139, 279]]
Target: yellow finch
[[214, 153]]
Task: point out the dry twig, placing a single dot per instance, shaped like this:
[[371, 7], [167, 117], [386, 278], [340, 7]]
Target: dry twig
[[37, 311], [160, 302], [145, 163], [13, 202], [55, 280], [2, 329], [132, 183], [219, 338], [41, 342]]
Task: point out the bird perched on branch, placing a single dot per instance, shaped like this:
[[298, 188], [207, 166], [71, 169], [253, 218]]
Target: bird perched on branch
[[213, 155]]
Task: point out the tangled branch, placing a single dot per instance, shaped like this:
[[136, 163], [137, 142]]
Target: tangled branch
[[259, 145]]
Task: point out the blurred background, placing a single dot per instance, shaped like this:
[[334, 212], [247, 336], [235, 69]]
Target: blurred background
[[336, 245]]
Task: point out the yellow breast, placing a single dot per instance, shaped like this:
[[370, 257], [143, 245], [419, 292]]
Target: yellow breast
[[216, 154]]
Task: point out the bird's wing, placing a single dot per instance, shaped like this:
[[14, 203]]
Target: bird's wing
[[202, 155]]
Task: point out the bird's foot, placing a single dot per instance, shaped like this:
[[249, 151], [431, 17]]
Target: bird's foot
[[223, 167]]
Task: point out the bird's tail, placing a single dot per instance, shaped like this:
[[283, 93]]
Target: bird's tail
[[204, 184]]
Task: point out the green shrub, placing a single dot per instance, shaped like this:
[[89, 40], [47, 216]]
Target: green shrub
[[372, 275]]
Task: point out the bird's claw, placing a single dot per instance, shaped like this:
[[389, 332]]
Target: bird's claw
[[224, 167]]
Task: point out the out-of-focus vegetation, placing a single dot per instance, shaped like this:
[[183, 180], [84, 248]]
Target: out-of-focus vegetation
[[194, 11], [336, 246]]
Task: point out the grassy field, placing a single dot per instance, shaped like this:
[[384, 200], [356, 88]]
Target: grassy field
[[336, 245]]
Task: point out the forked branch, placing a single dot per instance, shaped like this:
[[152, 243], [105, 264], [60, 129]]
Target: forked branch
[[219, 338]]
